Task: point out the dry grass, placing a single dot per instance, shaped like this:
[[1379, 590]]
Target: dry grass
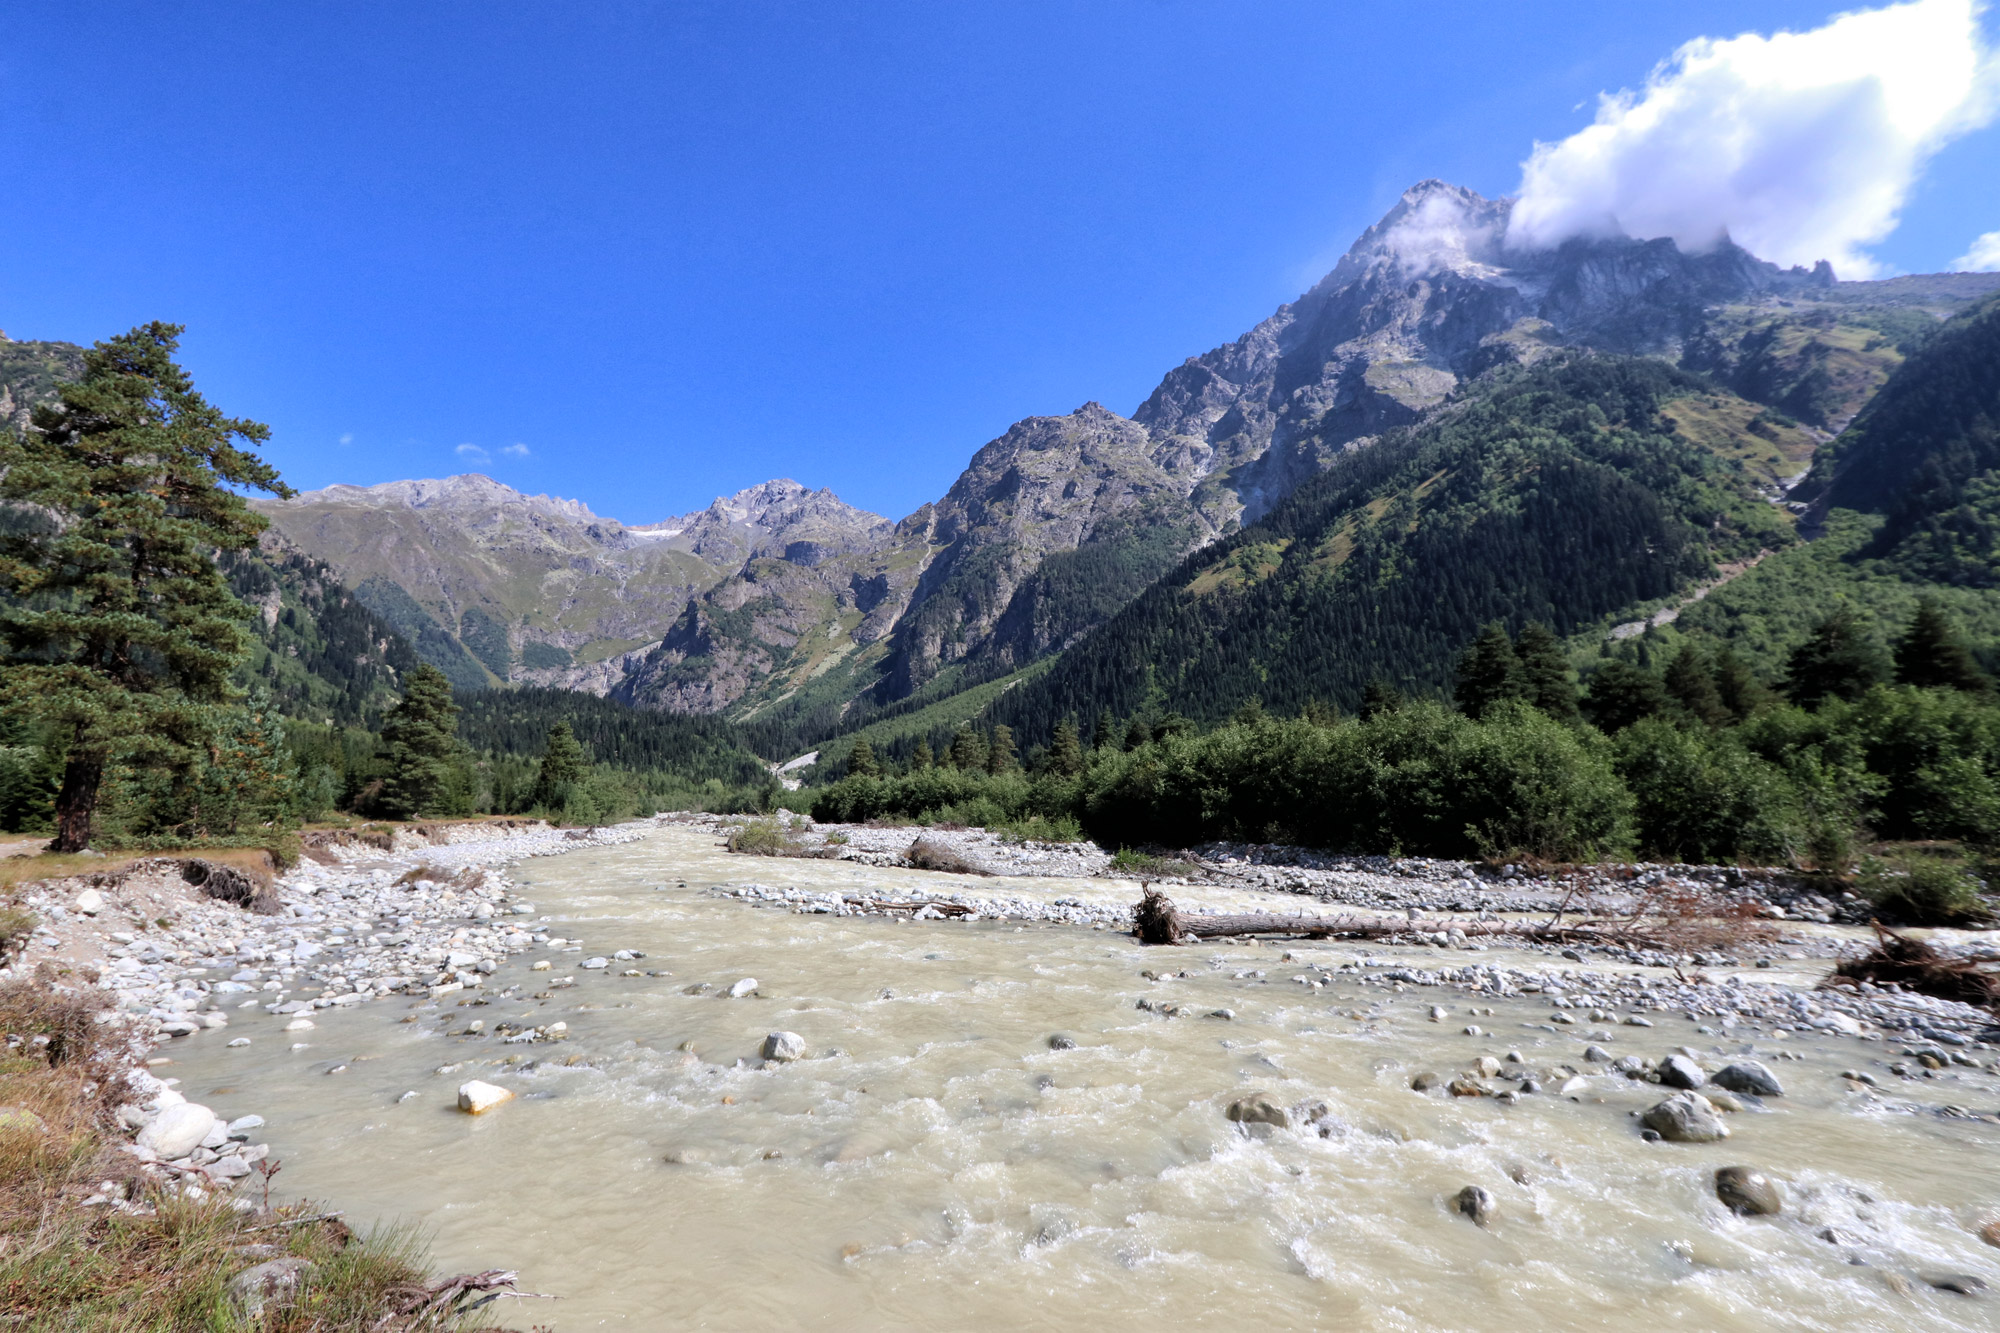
[[16, 870], [167, 1264]]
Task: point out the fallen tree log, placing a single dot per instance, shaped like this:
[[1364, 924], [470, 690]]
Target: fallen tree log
[[1156, 921]]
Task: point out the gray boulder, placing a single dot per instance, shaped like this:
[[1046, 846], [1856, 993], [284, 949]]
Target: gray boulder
[[1686, 1117], [1748, 1192], [1476, 1203], [1257, 1108], [1677, 1071], [784, 1046], [177, 1130], [1751, 1077]]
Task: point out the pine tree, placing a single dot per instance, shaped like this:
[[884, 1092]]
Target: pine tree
[[249, 773], [562, 767], [1319, 714], [1065, 756], [1379, 697], [1737, 686], [1931, 653], [1489, 672], [1139, 732], [1622, 693], [1000, 755], [968, 749], [1691, 684], [1837, 661], [420, 749], [921, 757], [861, 761], [120, 631], [1546, 679], [1105, 734]]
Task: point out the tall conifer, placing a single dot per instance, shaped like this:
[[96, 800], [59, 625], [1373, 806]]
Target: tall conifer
[[561, 768], [1489, 672], [1932, 653], [420, 746], [1546, 680], [120, 632]]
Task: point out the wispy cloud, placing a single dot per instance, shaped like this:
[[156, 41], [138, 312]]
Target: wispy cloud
[[1983, 257], [347, 438], [472, 453], [516, 451], [1799, 146]]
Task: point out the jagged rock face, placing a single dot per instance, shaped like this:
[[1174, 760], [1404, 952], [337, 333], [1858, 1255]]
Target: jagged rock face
[[29, 373], [1049, 485], [1427, 296]]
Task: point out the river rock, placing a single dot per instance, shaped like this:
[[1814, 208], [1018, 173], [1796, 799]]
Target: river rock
[[273, 1282], [784, 1046], [1677, 1071], [90, 902], [1477, 1204], [1425, 1081], [177, 1130], [1686, 1117], [1990, 1233], [1061, 1043], [1487, 1067], [299, 1025], [1597, 1055], [1748, 1192], [1965, 1284], [747, 986], [1749, 1076], [476, 1098], [240, 1127], [1257, 1108]]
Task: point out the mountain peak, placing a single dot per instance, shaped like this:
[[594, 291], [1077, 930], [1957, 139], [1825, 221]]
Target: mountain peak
[[466, 490]]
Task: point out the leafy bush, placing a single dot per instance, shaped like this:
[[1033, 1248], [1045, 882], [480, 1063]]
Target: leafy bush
[[1922, 891], [1702, 796]]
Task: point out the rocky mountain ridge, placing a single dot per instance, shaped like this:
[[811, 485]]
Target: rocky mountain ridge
[[783, 602]]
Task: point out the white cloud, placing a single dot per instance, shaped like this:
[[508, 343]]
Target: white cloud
[[516, 451], [347, 438], [472, 453], [1983, 257], [1799, 146]]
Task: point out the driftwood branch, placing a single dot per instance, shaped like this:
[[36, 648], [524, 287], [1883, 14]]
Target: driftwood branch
[[1155, 921], [946, 909]]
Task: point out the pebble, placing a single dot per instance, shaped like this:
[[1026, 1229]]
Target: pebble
[[747, 986]]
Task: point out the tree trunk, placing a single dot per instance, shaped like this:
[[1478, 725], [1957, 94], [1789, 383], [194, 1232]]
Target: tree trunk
[[77, 801], [1156, 921]]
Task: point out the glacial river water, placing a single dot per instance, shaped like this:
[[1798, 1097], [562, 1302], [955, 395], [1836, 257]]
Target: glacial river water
[[935, 1165]]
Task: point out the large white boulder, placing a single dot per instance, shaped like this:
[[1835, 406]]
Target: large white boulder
[[784, 1046], [476, 1098], [177, 1130]]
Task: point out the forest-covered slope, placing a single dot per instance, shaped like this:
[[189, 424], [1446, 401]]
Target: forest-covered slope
[[1557, 494]]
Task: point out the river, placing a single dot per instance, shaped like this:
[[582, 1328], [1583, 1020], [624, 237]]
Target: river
[[934, 1164]]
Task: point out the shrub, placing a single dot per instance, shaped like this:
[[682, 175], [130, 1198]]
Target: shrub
[[1702, 796], [1922, 891]]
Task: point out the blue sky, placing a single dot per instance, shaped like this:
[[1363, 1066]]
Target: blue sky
[[671, 250]]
